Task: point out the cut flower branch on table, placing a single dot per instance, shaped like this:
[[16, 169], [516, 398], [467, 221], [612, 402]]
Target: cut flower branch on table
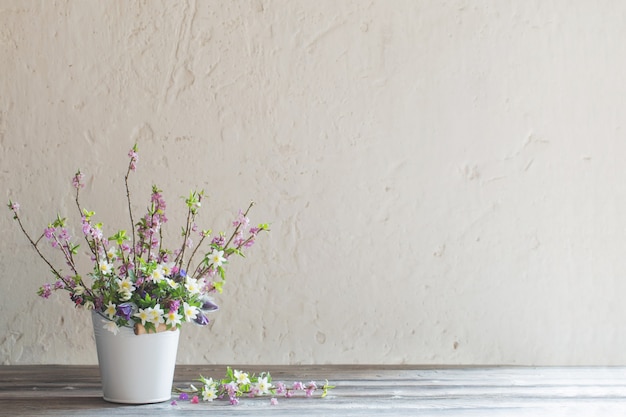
[[237, 384]]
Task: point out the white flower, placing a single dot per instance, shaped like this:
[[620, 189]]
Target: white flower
[[206, 381], [125, 285], [192, 285], [173, 284], [112, 253], [241, 378], [79, 290], [111, 326], [167, 267], [217, 258], [173, 318], [125, 295], [156, 315], [190, 312], [105, 267], [262, 385], [143, 315], [157, 274], [110, 310], [209, 393]]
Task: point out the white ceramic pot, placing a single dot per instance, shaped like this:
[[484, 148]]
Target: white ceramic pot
[[135, 369]]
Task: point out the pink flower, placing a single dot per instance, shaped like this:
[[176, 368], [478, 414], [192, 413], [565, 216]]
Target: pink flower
[[194, 399], [14, 206], [273, 401], [310, 388], [77, 180], [49, 232], [64, 235], [239, 239], [280, 388], [134, 158], [45, 291], [241, 220]]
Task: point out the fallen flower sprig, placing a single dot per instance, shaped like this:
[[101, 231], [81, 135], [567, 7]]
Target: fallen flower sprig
[[237, 384]]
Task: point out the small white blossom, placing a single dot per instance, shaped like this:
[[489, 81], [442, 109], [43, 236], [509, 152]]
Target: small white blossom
[[111, 326]]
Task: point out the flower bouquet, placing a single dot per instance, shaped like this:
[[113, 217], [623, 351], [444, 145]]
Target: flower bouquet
[[135, 281], [134, 285]]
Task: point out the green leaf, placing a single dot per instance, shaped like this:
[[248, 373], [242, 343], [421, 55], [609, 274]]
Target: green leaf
[[59, 222], [119, 237], [88, 214]]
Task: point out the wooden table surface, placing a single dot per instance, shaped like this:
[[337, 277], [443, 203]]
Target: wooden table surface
[[48, 390]]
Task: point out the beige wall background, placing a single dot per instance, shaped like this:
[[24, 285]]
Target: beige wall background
[[444, 180]]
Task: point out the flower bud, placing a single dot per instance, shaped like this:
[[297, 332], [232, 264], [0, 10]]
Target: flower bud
[[208, 306], [201, 319]]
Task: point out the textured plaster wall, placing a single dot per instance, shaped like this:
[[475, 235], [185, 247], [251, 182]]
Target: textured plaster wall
[[444, 179]]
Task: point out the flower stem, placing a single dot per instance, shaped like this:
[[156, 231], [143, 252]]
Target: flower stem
[[34, 245], [130, 211]]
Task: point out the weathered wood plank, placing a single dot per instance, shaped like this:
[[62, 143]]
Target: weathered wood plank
[[361, 390]]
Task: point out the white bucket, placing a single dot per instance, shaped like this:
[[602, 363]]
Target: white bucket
[[135, 369]]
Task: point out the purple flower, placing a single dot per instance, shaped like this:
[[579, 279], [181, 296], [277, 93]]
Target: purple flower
[[183, 396], [174, 305], [98, 302], [124, 310], [298, 386], [201, 319], [208, 305], [231, 388]]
